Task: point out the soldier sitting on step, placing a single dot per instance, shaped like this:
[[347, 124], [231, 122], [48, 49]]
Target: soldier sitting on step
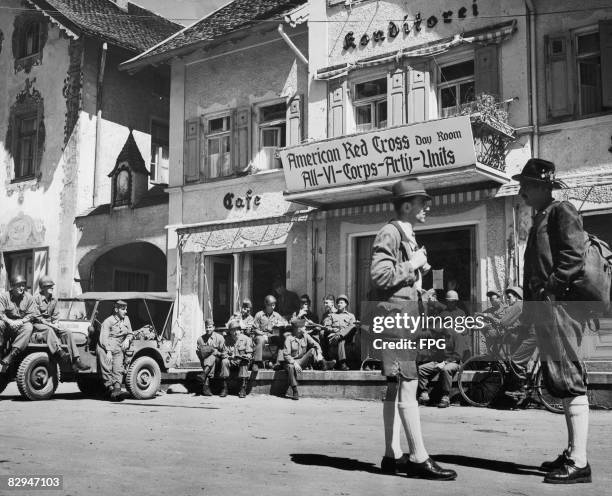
[[210, 350], [237, 356]]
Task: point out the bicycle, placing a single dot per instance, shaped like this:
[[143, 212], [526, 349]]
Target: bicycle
[[482, 379]]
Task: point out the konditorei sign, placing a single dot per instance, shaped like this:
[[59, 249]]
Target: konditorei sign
[[422, 148]]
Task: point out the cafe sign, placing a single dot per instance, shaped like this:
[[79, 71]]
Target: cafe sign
[[415, 149]]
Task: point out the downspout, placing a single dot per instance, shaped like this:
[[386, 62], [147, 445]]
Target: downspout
[[533, 87], [295, 49], [98, 120]]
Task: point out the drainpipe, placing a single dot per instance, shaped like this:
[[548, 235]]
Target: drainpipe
[[295, 49], [98, 121], [533, 87]]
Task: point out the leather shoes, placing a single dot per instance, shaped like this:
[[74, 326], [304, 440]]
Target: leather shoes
[[390, 465], [556, 463], [569, 474], [429, 469]]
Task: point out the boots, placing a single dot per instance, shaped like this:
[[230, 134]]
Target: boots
[[116, 393], [242, 392], [79, 366], [8, 359], [223, 392], [295, 395], [252, 378], [205, 385], [61, 356]]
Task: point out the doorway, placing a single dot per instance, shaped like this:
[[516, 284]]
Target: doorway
[[266, 267], [222, 269]]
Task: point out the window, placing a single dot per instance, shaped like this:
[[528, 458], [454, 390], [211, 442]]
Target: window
[[370, 102], [26, 146], [218, 146], [272, 132], [159, 151], [122, 187], [30, 43], [588, 70], [455, 87]]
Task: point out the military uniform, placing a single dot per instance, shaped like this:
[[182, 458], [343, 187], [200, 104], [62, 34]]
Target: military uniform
[[301, 350], [16, 307], [113, 333], [206, 347], [342, 322], [263, 327], [429, 360], [239, 354], [47, 309]]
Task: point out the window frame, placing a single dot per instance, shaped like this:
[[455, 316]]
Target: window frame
[[372, 101], [260, 126], [207, 136], [440, 85], [153, 165], [20, 116], [575, 62]]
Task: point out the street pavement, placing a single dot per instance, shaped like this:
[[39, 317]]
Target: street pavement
[[181, 445]]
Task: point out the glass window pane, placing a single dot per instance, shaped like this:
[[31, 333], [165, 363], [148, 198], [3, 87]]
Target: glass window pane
[[213, 147], [371, 88], [226, 144], [466, 92], [381, 114], [590, 86], [456, 71], [363, 114], [270, 137], [219, 124], [588, 43], [273, 112], [448, 97]]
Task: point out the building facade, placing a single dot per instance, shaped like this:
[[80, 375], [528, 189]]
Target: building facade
[[66, 114]]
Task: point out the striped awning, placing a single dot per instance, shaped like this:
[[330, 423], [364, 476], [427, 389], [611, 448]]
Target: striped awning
[[492, 34]]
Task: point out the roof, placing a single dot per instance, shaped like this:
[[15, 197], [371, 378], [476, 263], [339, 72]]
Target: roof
[[236, 14], [124, 295], [136, 29], [155, 196], [131, 154]]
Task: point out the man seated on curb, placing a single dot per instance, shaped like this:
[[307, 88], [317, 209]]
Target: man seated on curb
[[237, 356], [210, 350], [116, 335], [301, 350], [342, 327], [47, 323], [441, 361]]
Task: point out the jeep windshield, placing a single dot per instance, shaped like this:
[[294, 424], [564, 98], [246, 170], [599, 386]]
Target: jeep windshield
[[75, 310]]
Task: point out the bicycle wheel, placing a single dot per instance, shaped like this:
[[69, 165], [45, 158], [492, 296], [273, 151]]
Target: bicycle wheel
[[480, 380], [550, 402]]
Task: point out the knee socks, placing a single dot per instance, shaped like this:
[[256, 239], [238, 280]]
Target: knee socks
[[577, 418], [392, 423], [408, 408]]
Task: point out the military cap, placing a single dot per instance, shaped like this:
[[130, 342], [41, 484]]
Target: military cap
[[120, 303], [297, 323], [209, 322], [517, 290], [234, 324], [342, 297], [492, 292]]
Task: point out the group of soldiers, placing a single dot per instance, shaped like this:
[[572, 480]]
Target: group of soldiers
[[297, 341], [22, 315]]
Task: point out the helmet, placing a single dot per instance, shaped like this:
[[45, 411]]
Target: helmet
[[269, 300], [18, 279], [45, 282], [452, 295], [517, 290], [342, 297]]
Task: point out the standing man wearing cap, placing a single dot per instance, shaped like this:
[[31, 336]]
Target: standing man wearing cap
[[396, 275], [341, 327], [554, 257], [237, 355], [299, 352], [17, 311], [115, 338], [47, 322], [210, 349]]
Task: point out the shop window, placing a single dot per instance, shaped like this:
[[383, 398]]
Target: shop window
[[584, 57], [370, 104], [456, 87], [271, 134], [159, 151], [218, 147]]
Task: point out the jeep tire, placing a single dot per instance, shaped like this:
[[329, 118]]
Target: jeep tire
[[143, 378], [37, 376]]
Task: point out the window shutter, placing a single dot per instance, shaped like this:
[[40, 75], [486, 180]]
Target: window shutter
[[605, 41], [336, 124], [15, 143], [558, 95], [242, 142], [192, 138], [294, 121], [418, 94], [486, 70], [41, 258], [396, 108]]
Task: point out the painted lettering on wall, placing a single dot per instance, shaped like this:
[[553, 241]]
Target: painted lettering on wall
[[248, 201], [388, 153], [408, 26]]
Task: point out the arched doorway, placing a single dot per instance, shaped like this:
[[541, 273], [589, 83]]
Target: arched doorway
[[132, 267]]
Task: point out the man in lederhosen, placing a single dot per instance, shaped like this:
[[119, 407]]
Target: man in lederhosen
[[554, 258], [396, 273]]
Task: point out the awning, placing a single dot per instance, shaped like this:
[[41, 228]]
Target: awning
[[489, 35], [233, 236]]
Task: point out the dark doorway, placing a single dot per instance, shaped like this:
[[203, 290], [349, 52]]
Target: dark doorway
[[266, 266], [222, 267]]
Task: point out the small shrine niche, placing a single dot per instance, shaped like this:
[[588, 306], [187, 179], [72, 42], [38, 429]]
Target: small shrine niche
[[130, 177]]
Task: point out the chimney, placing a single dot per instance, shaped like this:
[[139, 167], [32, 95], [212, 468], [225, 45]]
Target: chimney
[[122, 4]]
